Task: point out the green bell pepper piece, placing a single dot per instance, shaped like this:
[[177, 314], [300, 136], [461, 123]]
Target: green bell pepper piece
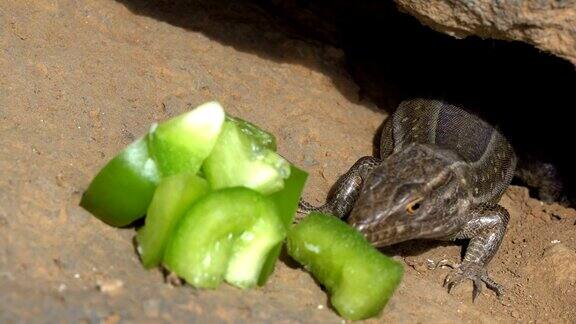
[[242, 157], [182, 143], [227, 234], [121, 192], [123, 189], [286, 201], [262, 137], [172, 198], [359, 279]]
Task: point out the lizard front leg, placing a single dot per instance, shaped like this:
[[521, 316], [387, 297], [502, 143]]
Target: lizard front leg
[[485, 230], [345, 191]]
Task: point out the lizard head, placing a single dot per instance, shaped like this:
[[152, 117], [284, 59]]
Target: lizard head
[[415, 193]]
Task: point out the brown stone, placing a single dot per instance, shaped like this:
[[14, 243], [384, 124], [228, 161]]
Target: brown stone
[[561, 260], [547, 24]]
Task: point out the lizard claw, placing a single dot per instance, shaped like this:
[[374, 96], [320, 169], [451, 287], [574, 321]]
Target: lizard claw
[[305, 207], [476, 273], [433, 265]]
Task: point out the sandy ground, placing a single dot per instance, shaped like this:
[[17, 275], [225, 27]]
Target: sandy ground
[[81, 79]]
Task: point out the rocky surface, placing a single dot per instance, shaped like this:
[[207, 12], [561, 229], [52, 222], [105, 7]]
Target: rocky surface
[[549, 25], [79, 80]]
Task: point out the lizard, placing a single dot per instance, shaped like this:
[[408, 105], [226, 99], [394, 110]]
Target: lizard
[[440, 175]]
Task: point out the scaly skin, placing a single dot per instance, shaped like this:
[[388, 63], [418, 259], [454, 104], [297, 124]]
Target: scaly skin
[[440, 176]]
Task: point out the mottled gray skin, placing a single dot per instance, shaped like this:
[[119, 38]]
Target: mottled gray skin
[[440, 175]]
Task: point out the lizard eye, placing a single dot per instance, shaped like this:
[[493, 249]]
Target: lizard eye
[[413, 206]]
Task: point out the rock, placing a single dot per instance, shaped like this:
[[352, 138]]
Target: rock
[[561, 261], [110, 286], [514, 314], [416, 264], [560, 212], [546, 24]]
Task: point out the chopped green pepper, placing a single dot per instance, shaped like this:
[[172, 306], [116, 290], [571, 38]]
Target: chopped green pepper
[[286, 201], [182, 143], [173, 197], [226, 234], [233, 234], [359, 279], [262, 137], [242, 157], [121, 192]]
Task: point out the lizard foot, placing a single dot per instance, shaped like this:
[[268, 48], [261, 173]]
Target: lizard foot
[[305, 207], [476, 273], [433, 265]]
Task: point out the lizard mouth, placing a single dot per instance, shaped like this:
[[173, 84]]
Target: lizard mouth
[[377, 233], [382, 237]]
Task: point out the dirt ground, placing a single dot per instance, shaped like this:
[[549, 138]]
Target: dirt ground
[[81, 79]]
